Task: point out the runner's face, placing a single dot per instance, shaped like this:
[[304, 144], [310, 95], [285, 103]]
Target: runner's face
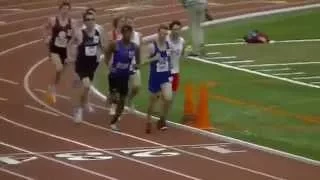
[[163, 34], [176, 29], [127, 35], [129, 21], [64, 11], [121, 22], [89, 21]]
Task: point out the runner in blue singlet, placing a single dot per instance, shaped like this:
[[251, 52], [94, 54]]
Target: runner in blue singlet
[[124, 52], [160, 77]]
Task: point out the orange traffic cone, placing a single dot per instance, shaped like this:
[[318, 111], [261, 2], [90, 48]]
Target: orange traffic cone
[[202, 116], [188, 114]]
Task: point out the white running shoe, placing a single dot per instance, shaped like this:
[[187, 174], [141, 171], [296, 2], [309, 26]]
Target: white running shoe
[[77, 115], [114, 127], [112, 110], [89, 108]]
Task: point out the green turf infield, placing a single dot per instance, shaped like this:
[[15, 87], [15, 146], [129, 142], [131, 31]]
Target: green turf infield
[[258, 109]]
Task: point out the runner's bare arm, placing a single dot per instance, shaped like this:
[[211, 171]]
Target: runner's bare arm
[[108, 52], [104, 38], [150, 51], [72, 49], [183, 54], [47, 30], [138, 56]]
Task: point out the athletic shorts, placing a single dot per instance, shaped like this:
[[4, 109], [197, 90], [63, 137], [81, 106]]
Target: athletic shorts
[[86, 69], [155, 83], [118, 84], [62, 52], [175, 81]]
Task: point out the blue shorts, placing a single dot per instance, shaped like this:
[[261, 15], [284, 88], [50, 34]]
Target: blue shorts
[[155, 82]]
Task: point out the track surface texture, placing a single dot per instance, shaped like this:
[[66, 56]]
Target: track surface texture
[[38, 141]]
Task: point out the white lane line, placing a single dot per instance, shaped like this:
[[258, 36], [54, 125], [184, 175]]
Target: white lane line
[[281, 64], [57, 161], [99, 107], [244, 43], [213, 53], [51, 7], [309, 77], [315, 82], [41, 110], [3, 99], [254, 72], [9, 81], [69, 98], [15, 174], [116, 149], [19, 46], [11, 9], [229, 164], [94, 148], [272, 70], [288, 74], [58, 95], [222, 57], [275, 2], [235, 62]]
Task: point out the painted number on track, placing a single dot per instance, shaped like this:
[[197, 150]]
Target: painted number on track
[[84, 156], [16, 160], [159, 152]]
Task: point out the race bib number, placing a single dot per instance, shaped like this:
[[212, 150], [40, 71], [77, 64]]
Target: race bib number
[[61, 40], [122, 66], [162, 66], [91, 50]]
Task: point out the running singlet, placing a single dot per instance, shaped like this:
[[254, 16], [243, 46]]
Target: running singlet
[[61, 34], [122, 58], [135, 39], [176, 52], [89, 49], [161, 68]]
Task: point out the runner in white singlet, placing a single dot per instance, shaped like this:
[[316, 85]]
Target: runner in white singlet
[[135, 77], [177, 45]]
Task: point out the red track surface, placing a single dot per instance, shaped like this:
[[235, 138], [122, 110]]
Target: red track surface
[[48, 145]]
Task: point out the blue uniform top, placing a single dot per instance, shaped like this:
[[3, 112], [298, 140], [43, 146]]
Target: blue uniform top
[[122, 59], [161, 68]]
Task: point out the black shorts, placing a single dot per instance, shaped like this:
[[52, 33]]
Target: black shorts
[[62, 52], [86, 69], [118, 84]]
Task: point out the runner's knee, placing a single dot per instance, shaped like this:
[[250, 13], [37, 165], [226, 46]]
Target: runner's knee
[[166, 90], [86, 82]]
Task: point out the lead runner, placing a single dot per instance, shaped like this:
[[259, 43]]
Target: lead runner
[[122, 53]]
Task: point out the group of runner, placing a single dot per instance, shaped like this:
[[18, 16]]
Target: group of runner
[[85, 45]]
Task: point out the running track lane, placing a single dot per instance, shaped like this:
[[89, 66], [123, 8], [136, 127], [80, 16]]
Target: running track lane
[[96, 136]]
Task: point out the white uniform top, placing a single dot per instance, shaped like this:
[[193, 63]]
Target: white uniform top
[[97, 27], [176, 53], [136, 37]]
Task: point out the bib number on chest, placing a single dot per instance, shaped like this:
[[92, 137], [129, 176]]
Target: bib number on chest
[[162, 66], [91, 50], [61, 40]]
